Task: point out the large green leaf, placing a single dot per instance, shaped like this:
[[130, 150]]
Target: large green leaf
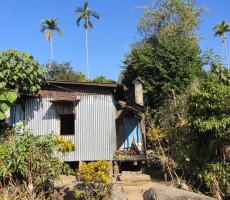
[[3, 96], [2, 84], [12, 96], [4, 107], [2, 115]]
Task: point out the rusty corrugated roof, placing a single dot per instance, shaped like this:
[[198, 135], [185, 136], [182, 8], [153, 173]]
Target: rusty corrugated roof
[[113, 85]]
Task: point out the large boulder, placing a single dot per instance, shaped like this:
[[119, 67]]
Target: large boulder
[[171, 193]]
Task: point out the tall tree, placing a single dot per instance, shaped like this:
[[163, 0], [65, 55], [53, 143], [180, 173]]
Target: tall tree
[[86, 13], [221, 30], [168, 57], [50, 25]]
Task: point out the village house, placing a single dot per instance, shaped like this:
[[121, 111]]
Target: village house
[[95, 116]]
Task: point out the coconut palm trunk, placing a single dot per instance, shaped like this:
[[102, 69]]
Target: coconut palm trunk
[[87, 52], [226, 52], [51, 50]]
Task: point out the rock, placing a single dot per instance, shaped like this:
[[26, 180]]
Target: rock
[[150, 194], [170, 193], [184, 186]]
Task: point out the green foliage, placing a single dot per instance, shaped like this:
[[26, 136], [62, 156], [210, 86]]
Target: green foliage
[[188, 119], [217, 176], [29, 161], [168, 59], [118, 157], [7, 98], [176, 16], [102, 79], [64, 72], [196, 130], [209, 113], [167, 128], [19, 70], [212, 100], [95, 176], [155, 134]]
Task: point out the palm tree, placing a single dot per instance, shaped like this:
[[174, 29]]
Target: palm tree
[[221, 30], [85, 13], [50, 25]]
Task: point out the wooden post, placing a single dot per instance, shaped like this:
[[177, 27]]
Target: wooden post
[[115, 170], [110, 168]]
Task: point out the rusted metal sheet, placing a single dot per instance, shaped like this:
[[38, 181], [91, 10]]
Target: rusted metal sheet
[[95, 131], [63, 95]]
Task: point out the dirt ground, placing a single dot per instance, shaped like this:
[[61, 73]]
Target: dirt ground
[[131, 190], [135, 190]]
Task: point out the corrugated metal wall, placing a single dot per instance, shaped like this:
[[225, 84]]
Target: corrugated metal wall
[[95, 131]]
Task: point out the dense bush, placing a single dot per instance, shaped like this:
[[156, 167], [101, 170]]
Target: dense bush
[[28, 165], [191, 135]]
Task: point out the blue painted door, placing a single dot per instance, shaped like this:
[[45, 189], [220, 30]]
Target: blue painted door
[[132, 131]]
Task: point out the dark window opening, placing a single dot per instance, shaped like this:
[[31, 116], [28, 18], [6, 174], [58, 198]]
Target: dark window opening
[[67, 124]]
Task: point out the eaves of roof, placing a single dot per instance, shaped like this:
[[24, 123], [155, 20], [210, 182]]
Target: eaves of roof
[[110, 85]]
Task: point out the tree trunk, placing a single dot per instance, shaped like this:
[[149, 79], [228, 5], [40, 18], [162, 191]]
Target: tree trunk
[[51, 49], [87, 56], [226, 52]]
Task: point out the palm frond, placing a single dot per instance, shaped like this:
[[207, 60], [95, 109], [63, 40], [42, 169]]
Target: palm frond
[[221, 29], [94, 14], [78, 21], [59, 31], [90, 25], [50, 25], [43, 28], [85, 13], [78, 11], [86, 24], [86, 6]]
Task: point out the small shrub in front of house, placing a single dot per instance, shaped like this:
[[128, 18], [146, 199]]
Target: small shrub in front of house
[[28, 165], [94, 181]]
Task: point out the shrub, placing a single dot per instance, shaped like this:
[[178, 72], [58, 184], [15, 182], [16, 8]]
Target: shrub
[[95, 178], [28, 165]]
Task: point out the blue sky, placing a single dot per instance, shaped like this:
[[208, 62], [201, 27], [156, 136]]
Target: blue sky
[[109, 40]]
